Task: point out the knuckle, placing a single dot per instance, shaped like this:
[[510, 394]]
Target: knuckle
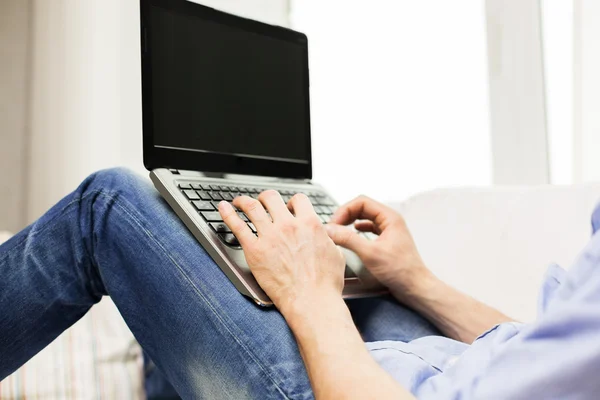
[[398, 221], [252, 205], [287, 227], [315, 223]]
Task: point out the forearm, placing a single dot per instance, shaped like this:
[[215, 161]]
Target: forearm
[[338, 363], [456, 314]]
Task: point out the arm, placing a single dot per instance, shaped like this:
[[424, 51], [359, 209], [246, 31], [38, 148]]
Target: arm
[[394, 260], [456, 314], [336, 358], [302, 271]]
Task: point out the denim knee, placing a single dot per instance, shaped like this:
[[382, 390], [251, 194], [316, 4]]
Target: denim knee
[[114, 180]]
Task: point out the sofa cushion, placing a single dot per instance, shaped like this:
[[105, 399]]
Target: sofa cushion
[[496, 244]]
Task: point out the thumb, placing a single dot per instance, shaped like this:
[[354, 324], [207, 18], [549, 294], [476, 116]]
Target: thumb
[[348, 238]]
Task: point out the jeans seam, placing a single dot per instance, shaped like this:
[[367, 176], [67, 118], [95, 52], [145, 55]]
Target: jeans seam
[[195, 288]]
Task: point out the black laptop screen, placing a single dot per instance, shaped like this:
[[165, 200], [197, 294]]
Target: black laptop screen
[[222, 89]]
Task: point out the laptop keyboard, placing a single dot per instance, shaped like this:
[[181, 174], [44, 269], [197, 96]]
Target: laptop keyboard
[[206, 198]]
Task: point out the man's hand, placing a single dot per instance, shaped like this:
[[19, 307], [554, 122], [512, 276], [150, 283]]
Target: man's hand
[[293, 259], [394, 260], [393, 257], [302, 271]]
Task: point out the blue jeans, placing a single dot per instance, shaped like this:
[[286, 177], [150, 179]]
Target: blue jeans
[[115, 236]]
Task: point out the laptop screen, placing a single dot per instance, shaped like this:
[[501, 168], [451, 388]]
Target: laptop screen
[[226, 86]]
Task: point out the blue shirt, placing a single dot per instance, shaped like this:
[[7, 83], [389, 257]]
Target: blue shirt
[[555, 357]]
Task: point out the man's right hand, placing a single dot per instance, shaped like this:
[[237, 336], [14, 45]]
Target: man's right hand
[[392, 257]]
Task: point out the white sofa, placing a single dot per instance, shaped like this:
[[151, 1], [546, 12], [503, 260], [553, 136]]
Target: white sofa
[[494, 244]]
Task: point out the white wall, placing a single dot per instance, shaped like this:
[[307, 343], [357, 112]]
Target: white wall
[[14, 54], [399, 94], [586, 147], [86, 92]]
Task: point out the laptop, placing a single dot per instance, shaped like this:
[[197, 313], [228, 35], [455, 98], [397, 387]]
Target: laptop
[[226, 112]]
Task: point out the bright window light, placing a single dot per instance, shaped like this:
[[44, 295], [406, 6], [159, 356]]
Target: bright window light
[[399, 95]]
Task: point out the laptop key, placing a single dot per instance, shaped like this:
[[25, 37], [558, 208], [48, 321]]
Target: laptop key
[[204, 196], [211, 216], [203, 205], [243, 216], [226, 196], [251, 226], [216, 196], [220, 227], [230, 239], [184, 186], [196, 186], [190, 194]]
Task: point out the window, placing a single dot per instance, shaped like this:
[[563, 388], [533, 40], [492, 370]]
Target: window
[[557, 19], [399, 95]]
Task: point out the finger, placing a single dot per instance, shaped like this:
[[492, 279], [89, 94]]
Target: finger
[[255, 212], [273, 202], [364, 208], [349, 239], [367, 226], [301, 206], [239, 228]]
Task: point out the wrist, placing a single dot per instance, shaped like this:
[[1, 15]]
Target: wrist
[[419, 287], [312, 306]]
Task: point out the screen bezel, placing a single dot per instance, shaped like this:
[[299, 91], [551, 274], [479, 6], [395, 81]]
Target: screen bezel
[[207, 161]]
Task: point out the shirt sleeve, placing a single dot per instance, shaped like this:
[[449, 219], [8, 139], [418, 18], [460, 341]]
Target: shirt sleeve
[[558, 356], [596, 219]]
